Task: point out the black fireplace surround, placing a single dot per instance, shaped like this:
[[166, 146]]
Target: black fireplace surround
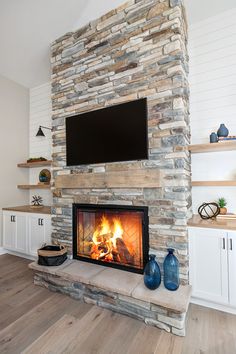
[[111, 235]]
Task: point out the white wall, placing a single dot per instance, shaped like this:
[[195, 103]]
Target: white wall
[[93, 9], [40, 114], [212, 49], [14, 144]]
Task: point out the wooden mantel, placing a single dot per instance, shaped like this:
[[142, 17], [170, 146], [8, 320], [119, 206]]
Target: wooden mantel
[[122, 179]]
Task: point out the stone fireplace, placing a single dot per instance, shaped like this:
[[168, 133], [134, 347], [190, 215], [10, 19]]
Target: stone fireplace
[[109, 235], [123, 210], [135, 51]]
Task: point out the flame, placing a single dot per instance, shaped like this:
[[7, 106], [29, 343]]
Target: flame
[[118, 231], [105, 226], [104, 238], [103, 229]]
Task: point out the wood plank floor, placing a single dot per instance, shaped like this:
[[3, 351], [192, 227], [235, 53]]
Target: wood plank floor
[[34, 320]]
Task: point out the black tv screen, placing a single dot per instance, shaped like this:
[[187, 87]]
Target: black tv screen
[[116, 133]]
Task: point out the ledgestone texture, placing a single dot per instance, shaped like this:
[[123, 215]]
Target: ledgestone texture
[[137, 50], [153, 315]]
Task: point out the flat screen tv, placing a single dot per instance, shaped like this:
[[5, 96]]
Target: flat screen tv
[[112, 134]]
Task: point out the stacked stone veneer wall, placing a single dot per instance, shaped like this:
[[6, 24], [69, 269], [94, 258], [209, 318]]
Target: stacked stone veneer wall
[[151, 314], [137, 50]]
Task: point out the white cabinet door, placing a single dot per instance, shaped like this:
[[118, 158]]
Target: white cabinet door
[[209, 264], [39, 227], [15, 231], [232, 267], [9, 230], [21, 233]]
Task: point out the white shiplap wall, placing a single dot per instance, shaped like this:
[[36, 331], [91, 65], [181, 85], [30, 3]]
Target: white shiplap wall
[[212, 50], [40, 114]]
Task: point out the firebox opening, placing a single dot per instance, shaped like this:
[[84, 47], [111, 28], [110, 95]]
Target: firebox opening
[[115, 236]]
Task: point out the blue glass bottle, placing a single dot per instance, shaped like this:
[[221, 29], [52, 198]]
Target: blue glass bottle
[[152, 273], [171, 271]]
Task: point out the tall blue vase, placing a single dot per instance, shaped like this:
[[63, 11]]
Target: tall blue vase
[[171, 271], [152, 274]]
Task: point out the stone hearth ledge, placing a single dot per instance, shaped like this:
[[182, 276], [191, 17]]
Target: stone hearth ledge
[[120, 291]]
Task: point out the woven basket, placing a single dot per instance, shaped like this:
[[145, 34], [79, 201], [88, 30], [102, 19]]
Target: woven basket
[[52, 255]]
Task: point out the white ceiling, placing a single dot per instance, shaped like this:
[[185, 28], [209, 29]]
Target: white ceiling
[[27, 27]]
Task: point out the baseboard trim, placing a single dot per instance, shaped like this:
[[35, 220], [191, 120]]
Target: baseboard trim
[[212, 305], [18, 254], [3, 251]]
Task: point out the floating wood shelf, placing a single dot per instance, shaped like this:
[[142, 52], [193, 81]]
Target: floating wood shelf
[[34, 186], [213, 183], [215, 147], [34, 164], [226, 224]]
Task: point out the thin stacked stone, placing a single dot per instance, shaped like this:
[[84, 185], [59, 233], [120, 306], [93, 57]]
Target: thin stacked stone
[[137, 50]]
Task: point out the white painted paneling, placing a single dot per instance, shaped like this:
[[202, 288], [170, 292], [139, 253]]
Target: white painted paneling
[[40, 114], [14, 146], [212, 49]]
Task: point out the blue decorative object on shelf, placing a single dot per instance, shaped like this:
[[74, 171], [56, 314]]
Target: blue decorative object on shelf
[[222, 131], [171, 271], [45, 176], [213, 138], [152, 273]]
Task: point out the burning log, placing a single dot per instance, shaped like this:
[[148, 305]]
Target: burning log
[[102, 247], [123, 252], [108, 244], [116, 256]]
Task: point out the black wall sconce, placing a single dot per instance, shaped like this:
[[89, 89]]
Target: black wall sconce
[[40, 132]]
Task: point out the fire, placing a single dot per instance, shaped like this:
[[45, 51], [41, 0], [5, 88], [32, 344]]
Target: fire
[[117, 231], [104, 229], [108, 244]]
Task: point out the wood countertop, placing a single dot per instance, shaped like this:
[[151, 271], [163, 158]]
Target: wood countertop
[[29, 209], [226, 224]]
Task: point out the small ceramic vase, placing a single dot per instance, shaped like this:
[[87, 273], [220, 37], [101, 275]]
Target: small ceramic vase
[[213, 138], [222, 131]]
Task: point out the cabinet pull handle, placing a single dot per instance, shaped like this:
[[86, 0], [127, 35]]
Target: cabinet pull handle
[[11, 218], [231, 244], [41, 222], [223, 243]]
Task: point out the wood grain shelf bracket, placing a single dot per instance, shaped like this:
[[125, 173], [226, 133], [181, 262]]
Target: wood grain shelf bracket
[[213, 183], [121, 179]]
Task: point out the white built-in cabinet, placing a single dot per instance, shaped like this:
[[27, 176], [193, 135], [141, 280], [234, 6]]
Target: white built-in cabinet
[[232, 267], [25, 232], [212, 265]]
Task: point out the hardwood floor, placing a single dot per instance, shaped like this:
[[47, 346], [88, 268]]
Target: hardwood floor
[[34, 320]]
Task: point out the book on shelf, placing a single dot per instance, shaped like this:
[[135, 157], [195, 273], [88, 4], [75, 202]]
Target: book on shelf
[[227, 138], [229, 216]]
